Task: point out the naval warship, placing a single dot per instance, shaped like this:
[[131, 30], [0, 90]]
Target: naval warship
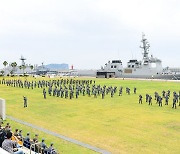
[[148, 68]]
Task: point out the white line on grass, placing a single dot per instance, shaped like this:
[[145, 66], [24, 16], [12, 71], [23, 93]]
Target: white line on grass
[[61, 136]]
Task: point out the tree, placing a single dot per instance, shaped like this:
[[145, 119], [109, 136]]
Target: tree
[[13, 65], [5, 63], [2, 72], [11, 72], [31, 66], [23, 67], [20, 67]]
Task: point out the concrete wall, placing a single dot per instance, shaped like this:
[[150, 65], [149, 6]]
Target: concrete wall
[[2, 109]]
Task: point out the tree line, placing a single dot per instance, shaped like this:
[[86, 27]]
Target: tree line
[[14, 66]]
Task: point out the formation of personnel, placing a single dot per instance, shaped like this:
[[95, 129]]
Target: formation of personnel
[[71, 88], [67, 88], [159, 98]]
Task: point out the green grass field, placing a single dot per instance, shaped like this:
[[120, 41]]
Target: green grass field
[[118, 124]]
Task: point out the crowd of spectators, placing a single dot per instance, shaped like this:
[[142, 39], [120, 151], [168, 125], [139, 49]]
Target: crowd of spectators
[[15, 142]]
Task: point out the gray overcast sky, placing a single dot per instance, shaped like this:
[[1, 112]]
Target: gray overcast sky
[[88, 33]]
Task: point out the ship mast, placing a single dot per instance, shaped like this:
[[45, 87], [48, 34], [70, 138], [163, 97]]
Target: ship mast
[[145, 46]]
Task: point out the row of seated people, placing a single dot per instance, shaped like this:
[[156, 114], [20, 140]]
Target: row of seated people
[[12, 142]]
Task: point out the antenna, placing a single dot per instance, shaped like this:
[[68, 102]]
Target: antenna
[[23, 60], [42, 65], [143, 35], [145, 46]]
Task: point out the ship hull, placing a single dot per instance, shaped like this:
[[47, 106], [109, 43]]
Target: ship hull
[[165, 76], [108, 74]]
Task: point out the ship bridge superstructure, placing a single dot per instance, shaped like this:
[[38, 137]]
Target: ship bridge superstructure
[[113, 65]]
